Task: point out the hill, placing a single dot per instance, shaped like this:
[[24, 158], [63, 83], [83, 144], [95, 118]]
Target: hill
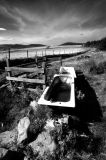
[[70, 43], [99, 44], [19, 46]]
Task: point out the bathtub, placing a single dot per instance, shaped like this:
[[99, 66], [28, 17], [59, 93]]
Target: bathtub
[[61, 91]]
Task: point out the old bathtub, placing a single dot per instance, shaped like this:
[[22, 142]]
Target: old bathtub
[[61, 91]]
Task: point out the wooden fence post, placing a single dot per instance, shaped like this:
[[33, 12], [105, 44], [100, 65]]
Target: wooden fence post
[[27, 53], [45, 52], [60, 60], [36, 60], [9, 73], [42, 53], [9, 54], [45, 75]]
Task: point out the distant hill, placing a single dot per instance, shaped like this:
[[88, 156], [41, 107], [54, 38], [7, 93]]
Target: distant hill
[[19, 46], [70, 43], [99, 44]]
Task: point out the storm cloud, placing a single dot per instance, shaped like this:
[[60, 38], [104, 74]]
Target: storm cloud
[[51, 21]]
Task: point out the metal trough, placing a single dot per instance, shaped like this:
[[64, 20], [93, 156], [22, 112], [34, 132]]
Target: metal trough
[[61, 92]]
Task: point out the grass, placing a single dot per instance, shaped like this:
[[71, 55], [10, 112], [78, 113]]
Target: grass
[[15, 62], [96, 68], [15, 105]]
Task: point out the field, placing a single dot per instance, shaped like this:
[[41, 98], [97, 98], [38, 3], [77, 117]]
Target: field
[[14, 104], [23, 57], [41, 51]]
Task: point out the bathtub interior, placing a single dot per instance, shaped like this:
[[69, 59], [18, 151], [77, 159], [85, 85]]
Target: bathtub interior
[[60, 90]]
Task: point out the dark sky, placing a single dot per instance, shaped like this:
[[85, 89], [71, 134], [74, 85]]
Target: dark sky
[[52, 21]]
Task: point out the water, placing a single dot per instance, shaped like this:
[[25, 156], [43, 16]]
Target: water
[[32, 52], [60, 90]]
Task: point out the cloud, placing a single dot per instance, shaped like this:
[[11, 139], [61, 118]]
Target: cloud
[[2, 29], [9, 19], [52, 20]]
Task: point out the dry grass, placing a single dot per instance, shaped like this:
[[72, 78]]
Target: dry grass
[[16, 104]]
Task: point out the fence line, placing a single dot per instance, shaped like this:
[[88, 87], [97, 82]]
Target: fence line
[[34, 71], [27, 53], [21, 67]]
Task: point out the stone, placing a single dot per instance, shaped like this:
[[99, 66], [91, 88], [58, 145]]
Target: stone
[[8, 139], [43, 144], [34, 105], [22, 129], [63, 120], [49, 124]]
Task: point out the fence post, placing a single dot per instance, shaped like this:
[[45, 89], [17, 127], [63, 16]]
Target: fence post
[[42, 53], [60, 60], [9, 73], [45, 75], [36, 60], [45, 52], [9, 54], [27, 53]]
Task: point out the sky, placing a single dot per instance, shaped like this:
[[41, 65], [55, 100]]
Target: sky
[[51, 22]]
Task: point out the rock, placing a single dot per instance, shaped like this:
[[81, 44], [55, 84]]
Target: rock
[[34, 105], [63, 120], [49, 124], [3, 152], [25, 158], [22, 129], [43, 144], [8, 139]]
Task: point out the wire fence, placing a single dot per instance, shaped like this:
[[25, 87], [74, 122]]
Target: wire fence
[[33, 52]]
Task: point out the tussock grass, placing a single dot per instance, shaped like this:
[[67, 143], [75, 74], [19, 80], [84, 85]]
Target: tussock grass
[[96, 67]]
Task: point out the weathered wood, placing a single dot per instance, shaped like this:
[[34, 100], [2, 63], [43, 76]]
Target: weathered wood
[[22, 76], [20, 79], [31, 75], [26, 64], [30, 89], [27, 53], [8, 72], [9, 54], [8, 69], [60, 60], [4, 85], [36, 60], [45, 75]]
